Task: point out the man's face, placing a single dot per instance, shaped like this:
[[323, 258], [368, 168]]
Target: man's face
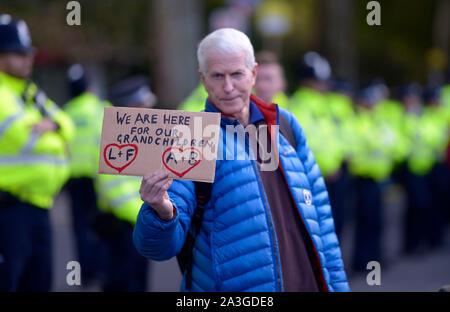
[[269, 81], [16, 64], [228, 81]]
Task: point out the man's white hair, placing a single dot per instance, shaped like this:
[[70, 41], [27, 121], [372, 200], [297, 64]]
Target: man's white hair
[[225, 40]]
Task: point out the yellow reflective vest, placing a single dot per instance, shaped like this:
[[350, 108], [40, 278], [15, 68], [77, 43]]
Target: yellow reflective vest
[[445, 96], [428, 135], [445, 104], [86, 111], [195, 102], [371, 159], [390, 115], [420, 159], [119, 195], [311, 109], [281, 99], [343, 114], [33, 167]]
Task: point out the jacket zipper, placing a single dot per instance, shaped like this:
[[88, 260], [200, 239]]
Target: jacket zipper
[[268, 214]]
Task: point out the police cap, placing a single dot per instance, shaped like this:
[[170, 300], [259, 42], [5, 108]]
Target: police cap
[[133, 91], [314, 66], [77, 80], [14, 35]]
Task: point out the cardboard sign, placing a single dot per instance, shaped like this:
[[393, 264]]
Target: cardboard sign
[[136, 141]]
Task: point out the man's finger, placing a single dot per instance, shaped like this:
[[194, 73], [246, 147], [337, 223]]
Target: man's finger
[[160, 184], [156, 175], [169, 183], [149, 175]]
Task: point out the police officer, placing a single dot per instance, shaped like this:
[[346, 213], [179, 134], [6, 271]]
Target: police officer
[[419, 163], [341, 108], [120, 201], [437, 127], [310, 104], [445, 92], [370, 165], [33, 164], [389, 114], [426, 178], [270, 84], [86, 110], [445, 102]]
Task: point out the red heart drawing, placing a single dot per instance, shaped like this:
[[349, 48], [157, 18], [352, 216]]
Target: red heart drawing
[[120, 169], [181, 174]]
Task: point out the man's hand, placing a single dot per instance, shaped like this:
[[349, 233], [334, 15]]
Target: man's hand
[[153, 191], [45, 125]]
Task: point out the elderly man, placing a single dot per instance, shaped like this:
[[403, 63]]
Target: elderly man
[[261, 230]]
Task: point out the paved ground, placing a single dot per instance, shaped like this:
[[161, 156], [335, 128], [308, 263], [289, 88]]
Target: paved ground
[[163, 276], [426, 272]]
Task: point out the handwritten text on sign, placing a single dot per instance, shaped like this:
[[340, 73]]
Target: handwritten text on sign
[[136, 141]]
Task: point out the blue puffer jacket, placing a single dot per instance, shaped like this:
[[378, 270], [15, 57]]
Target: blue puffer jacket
[[236, 249]]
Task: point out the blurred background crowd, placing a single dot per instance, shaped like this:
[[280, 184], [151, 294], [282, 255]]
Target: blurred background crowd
[[374, 102]]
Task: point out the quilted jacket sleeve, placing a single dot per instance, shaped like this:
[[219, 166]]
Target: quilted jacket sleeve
[[331, 249], [160, 240]]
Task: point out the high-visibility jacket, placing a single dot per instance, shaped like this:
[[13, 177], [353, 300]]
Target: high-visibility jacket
[[371, 159], [86, 111], [390, 115], [420, 159], [435, 123], [33, 167], [445, 105], [309, 100], [428, 135], [119, 195], [445, 96], [310, 107], [195, 102], [343, 115], [281, 99]]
